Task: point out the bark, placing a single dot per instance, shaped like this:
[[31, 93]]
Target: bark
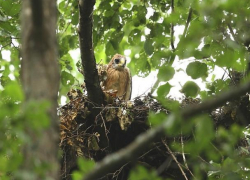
[[40, 80], [94, 90], [91, 79]]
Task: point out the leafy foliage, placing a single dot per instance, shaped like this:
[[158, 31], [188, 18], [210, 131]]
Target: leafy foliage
[[214, 34], [141, 173], [85, 166], [190, 89]]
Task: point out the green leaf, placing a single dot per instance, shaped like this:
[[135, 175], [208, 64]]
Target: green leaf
[[204, 131], [8, 28], [10, 8], [127, 4], [190, 89], [197, 70], [142, 65], [67, 79], [148, 46], [228, 162], [116, 39], [141, 173], [75, 18], [156, 119], [110, 51], [218, 86], [155, 16], [158, 57], [165, 73], [77, 175], [134, 36], [66, 62], [204, 53], [141, 12], [170, 104], [163, 90], [13, 91], [85, 166]]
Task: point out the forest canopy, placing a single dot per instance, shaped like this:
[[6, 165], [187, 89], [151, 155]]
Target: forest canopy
[[204, 135]]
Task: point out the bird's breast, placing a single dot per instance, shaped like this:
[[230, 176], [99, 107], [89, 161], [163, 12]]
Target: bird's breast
[[116, 80]]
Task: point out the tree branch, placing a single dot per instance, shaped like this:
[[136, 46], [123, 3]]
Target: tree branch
[[232, 33], [188, 21], [175, 159], [172, 27], [141, 143], [94, 90]]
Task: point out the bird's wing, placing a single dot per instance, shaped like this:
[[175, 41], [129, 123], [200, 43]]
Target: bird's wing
[[129, 85]]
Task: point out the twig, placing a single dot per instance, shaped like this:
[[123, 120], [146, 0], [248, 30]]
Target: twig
[[188, 21], [165, 165], [232, 33], [105, 128], [222, 157], [172, 27], [186, 25], [182, 151], [116, 173], [156, 84], [184, 158], [177, 162]]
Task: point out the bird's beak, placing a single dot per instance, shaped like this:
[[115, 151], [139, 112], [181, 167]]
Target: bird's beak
[[122, 62]]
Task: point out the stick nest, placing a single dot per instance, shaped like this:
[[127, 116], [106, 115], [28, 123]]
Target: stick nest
[[117, 125]]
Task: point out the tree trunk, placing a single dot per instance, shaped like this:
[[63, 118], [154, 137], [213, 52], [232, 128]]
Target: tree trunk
[[94, 90], [40, 80]]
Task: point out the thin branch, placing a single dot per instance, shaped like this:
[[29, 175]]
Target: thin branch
[[87, 51], [165, 165], [177, 162], [156, 84], [142, 142], [182, 151], [172, 27], [216, 101], [232, 33], [186, 26], [222, 156], [184, 158], [188, 21]]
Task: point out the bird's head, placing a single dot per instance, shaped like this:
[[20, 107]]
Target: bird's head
[[118, 62]]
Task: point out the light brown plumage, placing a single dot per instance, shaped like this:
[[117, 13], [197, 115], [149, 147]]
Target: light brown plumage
[[119, 77]]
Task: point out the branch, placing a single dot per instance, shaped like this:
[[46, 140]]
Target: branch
[[232, 33], [172, 27], [186, 26], [188, 21], [94, 90], [175, 159], [216, 101], [141, 143]]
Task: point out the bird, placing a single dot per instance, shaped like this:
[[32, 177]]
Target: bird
[[118, 78]]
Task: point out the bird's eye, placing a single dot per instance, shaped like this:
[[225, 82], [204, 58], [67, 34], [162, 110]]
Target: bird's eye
[[117, 61]]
